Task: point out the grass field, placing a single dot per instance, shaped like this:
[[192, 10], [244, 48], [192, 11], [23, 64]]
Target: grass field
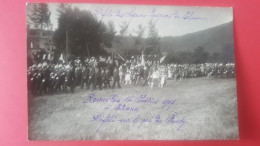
[[209, 107]]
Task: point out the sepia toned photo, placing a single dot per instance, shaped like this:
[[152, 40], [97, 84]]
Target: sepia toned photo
[[130, 72]]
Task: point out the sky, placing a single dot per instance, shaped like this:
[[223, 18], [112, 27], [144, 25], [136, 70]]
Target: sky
[[169, 20]]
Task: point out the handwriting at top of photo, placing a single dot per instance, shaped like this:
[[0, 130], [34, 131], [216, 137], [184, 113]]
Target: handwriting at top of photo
[[153, 13]]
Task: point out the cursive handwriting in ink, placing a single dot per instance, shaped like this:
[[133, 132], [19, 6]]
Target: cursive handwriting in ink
[[173, 120], [190, 15], [92, 98], [104, 119], [145, 99], [168, 103], [154, 14], [158, 119], [123, 107], [114, 98]]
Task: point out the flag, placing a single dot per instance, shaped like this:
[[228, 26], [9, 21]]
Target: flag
[[162, 59], [61, 58], [49, 57], [44, 57], [114, 55], [143, 62], [31, 44], [120, 56]]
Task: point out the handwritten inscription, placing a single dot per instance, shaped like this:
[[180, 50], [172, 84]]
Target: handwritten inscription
[[153, 14], [114, 104]]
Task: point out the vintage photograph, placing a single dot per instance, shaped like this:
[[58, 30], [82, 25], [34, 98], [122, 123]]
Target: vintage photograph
[[130, 72]]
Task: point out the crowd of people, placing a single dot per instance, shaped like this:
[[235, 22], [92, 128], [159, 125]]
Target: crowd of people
[[101, 72]]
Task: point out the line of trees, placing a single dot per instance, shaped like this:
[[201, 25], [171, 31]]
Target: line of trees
[[80, 33], [83, 34], [199, 55]]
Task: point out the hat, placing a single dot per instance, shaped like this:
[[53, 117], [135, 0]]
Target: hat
[[39, 65]]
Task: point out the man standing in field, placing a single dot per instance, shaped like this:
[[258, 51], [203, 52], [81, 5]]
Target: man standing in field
[[116, 77], [97, 78], [91, 76], [107, 77]]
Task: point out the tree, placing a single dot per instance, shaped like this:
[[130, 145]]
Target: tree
[[122, 33], [153, 40], [180, 57], [39, 16], [81, 32], [200, 55], [63, 7], [139, 36], [121, 38], [228, 53], [216, 57], [123, 28], [109, 34]]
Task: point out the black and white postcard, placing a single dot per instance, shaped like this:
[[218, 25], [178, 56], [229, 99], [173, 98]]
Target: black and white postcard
[[130, 72]]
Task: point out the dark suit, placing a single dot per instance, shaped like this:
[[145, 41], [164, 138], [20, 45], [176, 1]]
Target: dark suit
[[107, 78], [84, 77], [97, 79], [116, 78], [91, 77]]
